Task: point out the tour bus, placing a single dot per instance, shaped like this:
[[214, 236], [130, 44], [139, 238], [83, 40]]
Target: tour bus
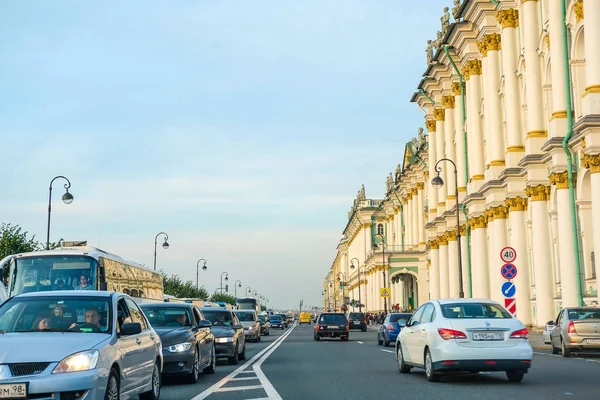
[[77, 266], [248, 303]]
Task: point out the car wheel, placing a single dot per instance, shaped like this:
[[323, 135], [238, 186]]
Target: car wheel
[[317, 338], [514, 376], [258, 338], [386, 343], [213, 363], [113, 391], [429, 373], [154, 393], [363, 330], [566, 352], [243, 353], [379, 341], [268, 333], [344, 338], [193, 376], [555, 350], [400, 358], [234, 360]]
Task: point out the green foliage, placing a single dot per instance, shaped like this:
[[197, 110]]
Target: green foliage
[[14, 240], [174, 286], [227, 298], [263, 308]]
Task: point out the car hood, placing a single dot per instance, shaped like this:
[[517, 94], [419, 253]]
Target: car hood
[[222, 331], [169, 335], [45, 346]]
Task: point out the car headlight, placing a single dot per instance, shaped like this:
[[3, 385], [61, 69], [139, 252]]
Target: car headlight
[[178, 348], [223, 340], [82, 361]]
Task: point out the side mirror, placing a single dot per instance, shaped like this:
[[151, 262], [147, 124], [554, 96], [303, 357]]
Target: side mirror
[[204, 324], [550, 323], [131, 328], [238, 326]]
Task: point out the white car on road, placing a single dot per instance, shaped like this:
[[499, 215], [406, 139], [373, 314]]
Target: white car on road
[[464, 335]]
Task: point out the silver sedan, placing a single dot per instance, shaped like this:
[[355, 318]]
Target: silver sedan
[[576, 329], [78, 345]]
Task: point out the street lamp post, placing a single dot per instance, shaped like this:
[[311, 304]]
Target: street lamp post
[[67, 198], [342, 282], [165, 245], [236, 285], [358, 268], [203, 269], [248, 291], [383, 270], [438, 182], [226, 279], [334, 298]]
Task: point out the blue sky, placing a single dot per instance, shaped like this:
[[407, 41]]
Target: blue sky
[[242, 128]]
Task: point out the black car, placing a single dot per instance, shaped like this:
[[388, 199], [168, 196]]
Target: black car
[[230, 341], [332, 325], [188, 345], [358, 320]]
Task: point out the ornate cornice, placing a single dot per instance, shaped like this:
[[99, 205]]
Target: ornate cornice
[[430, 125], [477, 222], [456, 88], [591, 162], [448, 101], [516, 204], [439, 114], [561, 179], [538, 193], [508, 18], [578, 9]]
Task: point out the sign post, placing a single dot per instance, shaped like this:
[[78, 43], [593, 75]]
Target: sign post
[[384, 292], [509, 271]]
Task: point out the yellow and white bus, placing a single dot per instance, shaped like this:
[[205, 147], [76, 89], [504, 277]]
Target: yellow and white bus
[[80, 267]]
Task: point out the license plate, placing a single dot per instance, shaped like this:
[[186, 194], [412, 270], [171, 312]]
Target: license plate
[[488, 336], [332, 327], [356, 322], [595, 341], [14, 390]]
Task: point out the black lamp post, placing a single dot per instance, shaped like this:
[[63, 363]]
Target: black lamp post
[[204, 267], [236, 285], [342, 282], [165, 245], [334, 298], [67, 198], [438, 182], [226, 279], [383, 270], [248, 291], [352, 266]]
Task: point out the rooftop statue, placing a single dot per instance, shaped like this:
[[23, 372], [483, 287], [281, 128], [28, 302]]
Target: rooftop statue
[[455, 9], [422, 140], [398, 172], [445, 21], [437, 43], [429, 52]]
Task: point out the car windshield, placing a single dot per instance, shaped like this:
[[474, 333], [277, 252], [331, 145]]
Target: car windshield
[[42, 314], [275, 318], [245, 316], [332, 319], [261, 318], [400, 319], [218, 318], [582, 314], [168, 316], [474, 310]]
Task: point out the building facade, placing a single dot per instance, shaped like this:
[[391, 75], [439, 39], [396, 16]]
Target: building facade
[[511, 95]]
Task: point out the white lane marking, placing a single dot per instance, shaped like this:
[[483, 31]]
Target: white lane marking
[[388, 351], [573, 358], [246, 372], [249, 378], [239, 370], [360, 342], [236, 388]]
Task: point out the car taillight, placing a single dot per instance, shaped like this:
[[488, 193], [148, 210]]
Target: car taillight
[[520, 334], [571, 328], [317, 327], [347, 327], [390, 327], [448, 334]]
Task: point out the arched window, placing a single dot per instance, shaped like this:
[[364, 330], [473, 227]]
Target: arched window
[[380, 229]]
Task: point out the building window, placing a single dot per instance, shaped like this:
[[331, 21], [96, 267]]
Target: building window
[[380, 229]]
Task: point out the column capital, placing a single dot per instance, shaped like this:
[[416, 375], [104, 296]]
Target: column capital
[[414, 191], [439, 114], [492, 213], [472, 67], [434, 244], [516, 204], [448, 101], [442, 240], [463, 230], [456, 89], [591, 162], [578, 9], [477, 222], [409, 196], [420, 185], [430, 125], [491, 41], [508, 18], [450, 236], [561, 179], [538, 193]]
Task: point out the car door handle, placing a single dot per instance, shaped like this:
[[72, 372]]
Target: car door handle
[[138, 341], [423, 330]]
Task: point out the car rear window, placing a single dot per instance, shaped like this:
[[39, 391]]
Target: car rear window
[[580, 314], [400, 319], [355, 316], [474, 310], [333, 319]]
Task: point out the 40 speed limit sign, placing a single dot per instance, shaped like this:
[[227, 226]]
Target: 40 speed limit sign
[[508, 255]]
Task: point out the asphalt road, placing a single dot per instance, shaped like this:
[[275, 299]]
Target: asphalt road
[[300, 368]]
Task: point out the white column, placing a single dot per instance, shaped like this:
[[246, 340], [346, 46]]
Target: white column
[[432, 192], [595, 184], [420, 216], [512, 100], [536, 130], [444, 273], [409, 220], [480, 272], [558, 122], [450, 150], [518, 241], [465, 265], [476, 150], [591, 17], [440, 116], [459, 139], [416, 218], [434, 270], [541, 248], [453, 281], [566, 248]]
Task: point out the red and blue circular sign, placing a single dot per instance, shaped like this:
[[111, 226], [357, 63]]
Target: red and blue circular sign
[[508, 271]]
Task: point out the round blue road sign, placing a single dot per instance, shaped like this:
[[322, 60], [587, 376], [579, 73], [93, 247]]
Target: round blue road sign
[[508, 289], [508, 271]]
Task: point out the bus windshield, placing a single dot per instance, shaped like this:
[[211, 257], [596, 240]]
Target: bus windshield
[[52, 272]]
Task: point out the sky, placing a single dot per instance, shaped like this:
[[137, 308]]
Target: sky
[[241, 128]]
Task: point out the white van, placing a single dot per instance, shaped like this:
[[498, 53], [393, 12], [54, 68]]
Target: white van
[[3, 293]]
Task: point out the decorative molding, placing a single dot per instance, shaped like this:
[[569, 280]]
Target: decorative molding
[[578, 9], [478, 222], [591, 162], [538, 193], [508, 18], [434, 244], [430, 125], [482, 47], [456, 89], [516, 204], [472, 67], [561, 179], [414, 191], [448, 101], [463, 230], [420, 185], [537, 134], [515, 149], [439, 114], [451, 236], [442, 240], [493, 41], [498, 212]]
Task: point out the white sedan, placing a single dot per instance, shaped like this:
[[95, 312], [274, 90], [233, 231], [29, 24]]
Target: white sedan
[[464, 335]]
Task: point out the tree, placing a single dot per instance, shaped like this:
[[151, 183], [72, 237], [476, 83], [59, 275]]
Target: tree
[[14, 240], [174, 286], [224, 297]]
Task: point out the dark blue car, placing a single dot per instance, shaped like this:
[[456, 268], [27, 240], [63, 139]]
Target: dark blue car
[[389, 330], [276, 322]]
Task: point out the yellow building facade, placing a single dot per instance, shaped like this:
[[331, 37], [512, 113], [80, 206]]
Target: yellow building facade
[[511, 95]]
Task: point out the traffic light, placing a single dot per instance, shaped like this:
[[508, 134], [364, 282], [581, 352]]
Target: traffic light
[[341, 285]]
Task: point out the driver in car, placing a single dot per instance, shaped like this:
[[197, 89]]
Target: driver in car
[[92, 317]]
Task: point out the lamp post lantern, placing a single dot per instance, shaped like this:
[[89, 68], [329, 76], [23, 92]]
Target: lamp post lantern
[[67, 198], [248, 291], [226, 279], [204, 267], [438, 182], [342, 282], [237, 284], [165, 245], [383, 270]]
